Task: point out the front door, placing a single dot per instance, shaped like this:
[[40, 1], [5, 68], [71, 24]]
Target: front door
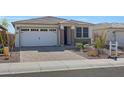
[[65, 35]]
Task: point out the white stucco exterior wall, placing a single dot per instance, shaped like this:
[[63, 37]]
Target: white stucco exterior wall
[[90, 33]]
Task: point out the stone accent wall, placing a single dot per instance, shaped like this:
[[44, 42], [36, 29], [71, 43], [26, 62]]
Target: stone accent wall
[[88, 41], [72, 36]]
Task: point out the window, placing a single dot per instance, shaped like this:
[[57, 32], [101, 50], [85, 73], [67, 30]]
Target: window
[[34, 29], [78, 32], [24, 29], [52, 29], [85, 32], [43, 30]]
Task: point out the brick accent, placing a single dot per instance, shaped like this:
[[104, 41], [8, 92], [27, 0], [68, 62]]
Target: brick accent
[[61, 37], [57, 37], [69, 35], [72, 36]]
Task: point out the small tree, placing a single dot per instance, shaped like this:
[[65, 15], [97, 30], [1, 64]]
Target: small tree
[[5, 22], [4, 34], [100, 42]]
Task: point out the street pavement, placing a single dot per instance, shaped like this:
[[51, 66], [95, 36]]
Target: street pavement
[[95, 72]]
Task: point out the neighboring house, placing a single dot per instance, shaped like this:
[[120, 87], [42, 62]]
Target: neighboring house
[[114, 32], [51, 31]]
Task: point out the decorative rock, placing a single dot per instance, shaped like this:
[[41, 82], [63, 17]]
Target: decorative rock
[[93, 53]]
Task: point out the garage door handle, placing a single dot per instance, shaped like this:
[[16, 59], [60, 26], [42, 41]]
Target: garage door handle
[[39, 38]]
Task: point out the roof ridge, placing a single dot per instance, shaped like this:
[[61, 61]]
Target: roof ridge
[[54, 17], [80, 21]]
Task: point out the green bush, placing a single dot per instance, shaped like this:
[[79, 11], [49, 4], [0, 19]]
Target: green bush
[[1, 50], [79, 46]]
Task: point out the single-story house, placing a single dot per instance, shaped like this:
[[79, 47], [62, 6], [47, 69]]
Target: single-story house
[[114, 32], [51, 31]]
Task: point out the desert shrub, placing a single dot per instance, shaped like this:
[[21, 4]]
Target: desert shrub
[[79, 46], [100, 42]]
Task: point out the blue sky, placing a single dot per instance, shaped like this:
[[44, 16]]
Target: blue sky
[[92, 19]]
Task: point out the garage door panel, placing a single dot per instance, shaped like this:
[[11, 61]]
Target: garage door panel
[[29, 39], [39, 38]]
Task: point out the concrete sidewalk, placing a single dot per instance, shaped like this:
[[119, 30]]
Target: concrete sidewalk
[[29, 67]]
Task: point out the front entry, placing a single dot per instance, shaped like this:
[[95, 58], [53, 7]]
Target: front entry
[[65, 36]]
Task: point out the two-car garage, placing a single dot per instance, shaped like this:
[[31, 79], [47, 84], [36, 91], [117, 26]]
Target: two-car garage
[[38, 37]]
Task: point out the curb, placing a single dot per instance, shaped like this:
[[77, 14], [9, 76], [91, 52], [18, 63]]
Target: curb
[[65, 65]]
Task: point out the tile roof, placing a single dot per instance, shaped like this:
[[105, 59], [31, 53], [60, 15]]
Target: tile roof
[[111, 25], [48, 20], [75, 22], [42, 20]]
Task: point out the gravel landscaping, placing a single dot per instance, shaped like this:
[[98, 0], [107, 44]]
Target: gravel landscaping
[[84, 54], [15, 57], [101, 56]]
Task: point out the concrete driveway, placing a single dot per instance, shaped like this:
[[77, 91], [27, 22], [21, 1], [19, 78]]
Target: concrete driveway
[[35, 54]]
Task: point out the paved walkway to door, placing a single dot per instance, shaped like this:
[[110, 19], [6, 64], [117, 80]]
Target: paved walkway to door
[[36, 54]]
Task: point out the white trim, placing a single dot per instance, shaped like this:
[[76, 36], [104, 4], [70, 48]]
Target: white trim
[[61, 27], [82, 34], [33, 25], [48, 29]]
